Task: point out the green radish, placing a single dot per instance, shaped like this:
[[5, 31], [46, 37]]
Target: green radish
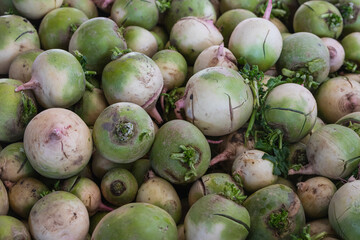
[[87, 6], [20, 68], [141, 40], [12, 228], [36, 9], [57, 80]]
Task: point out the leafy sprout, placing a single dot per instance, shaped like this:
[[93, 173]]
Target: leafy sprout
[[234, 193], [190, 157], [279, 221], [305, 235]]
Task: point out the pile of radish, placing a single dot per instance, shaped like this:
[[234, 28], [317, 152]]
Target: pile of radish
[[180, 119]]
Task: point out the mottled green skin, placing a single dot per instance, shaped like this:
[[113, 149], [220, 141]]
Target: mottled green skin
[[24, 194], [185, 8], [136, 221], [135, 13], [344, 211], [55, 28], [12, 228], [36, 9], [251, 5], [91, 106], [168, 140], [333, 151], [351, 44], [4, 199], [106, 140], [269, 200], [20, 68], [230, 19], [16, 111], [292, 109], [308, 19], [128, 182], [87, 6], [140, 169], [17, 35], [61, 79], [204, 222], [7, 6], [95, 39], [95, 219], [301, 48]]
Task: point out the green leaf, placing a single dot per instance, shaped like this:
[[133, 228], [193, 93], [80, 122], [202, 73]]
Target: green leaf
[[279, 159]]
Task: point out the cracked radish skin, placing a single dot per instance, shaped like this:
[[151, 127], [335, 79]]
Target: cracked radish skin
[[292, 109], [17, 35], [230, 111], [58, 143]]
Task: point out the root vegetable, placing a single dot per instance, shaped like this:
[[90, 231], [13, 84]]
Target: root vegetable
[[20, 68], [36, 9], [87, 6], [4, 200], [140, 40], [12, 228], [337, 53]]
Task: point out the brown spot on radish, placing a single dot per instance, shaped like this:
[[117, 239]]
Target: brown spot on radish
[[78, 161], [172, 175], [117, 187]]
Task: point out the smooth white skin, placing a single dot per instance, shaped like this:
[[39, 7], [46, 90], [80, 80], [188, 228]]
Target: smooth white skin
[[36, 9], [58, 143], [337, 53], [254, 171], [139, 39], [55, 217], [4, 200], [212, 57]]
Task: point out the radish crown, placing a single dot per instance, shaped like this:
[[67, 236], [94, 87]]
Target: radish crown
[[189, 156]]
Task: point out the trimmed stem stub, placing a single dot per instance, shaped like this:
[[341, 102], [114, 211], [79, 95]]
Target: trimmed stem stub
[[124, 131], [189, 156], [117, 188]]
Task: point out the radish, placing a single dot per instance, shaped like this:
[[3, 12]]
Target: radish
[[57, 79], [35, 9], [20, 67], [87, 6], [4, 199], [140, 40], [337, 53], [12, 228], [58, 143]]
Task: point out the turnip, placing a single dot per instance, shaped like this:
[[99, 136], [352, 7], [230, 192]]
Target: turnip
[[16, 112], [133, 78], [119, 187], [191, 35], [215, 56], [257, 41], [320, 18], [95, 39], [24, 194], [254, 171], [338, 97], [344, 211], [251, 5], [20, 67], [292, 109], [140, 40], [90, 106], [315, 195], [101, 165], [12, 228], [276, 213], [136, 220], [215, 217], [87, 191], [144, 14], [14, 163], [230, 111], [140, 169], [95, 219], [123, 132], [337, 53], [58, 143], [173, 68], [161, 193], [57, 27], [87, 6], [216, 183], [184, 8], [351, 44], [18, 35], [59, 215], [57, 79], [322, 225], [180, 152], [281, 26], [36, 9], [161, 36], [230, 19], [305, 53], [4, 199], [332, 152]]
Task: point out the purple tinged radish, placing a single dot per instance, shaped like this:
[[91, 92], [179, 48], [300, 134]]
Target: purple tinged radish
[[58, 143], [18, 35], [215, 56], [337, 53], [36, 9], [230, 111], [332, 152], [4, 199], [191, 35], [134, 78], [140, 40], [57, 79], [20, 67], [123, 132], [59, 215]]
